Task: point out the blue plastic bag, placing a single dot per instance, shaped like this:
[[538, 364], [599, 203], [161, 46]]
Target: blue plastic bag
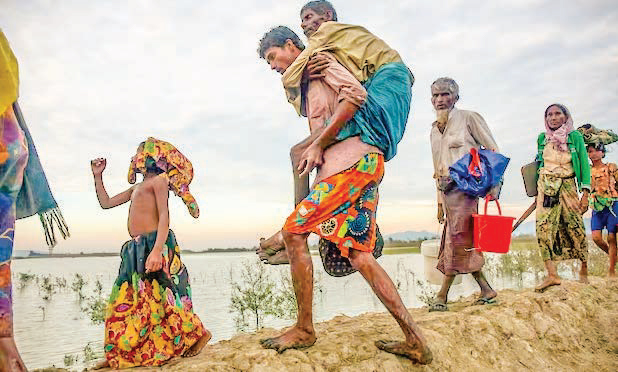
[[477, 172]]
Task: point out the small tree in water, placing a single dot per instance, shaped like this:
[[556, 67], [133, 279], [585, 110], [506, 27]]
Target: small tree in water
[[255, 296], [261, 292], [96, 305]]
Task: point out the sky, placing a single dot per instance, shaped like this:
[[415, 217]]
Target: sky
[[97, 78]]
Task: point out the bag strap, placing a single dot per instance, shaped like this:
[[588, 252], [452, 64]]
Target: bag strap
[[475, 163]]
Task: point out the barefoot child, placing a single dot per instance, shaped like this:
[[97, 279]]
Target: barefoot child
[[149, 317], [603, 200]]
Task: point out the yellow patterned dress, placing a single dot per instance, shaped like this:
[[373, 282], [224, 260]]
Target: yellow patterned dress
[[149, 317]]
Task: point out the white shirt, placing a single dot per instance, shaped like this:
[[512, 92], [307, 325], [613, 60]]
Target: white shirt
[[464, 130]]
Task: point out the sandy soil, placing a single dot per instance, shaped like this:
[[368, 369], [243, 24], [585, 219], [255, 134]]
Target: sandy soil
[[571, 327]]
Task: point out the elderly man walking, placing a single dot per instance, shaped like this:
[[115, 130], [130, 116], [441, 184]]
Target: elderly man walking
[[453, 134]]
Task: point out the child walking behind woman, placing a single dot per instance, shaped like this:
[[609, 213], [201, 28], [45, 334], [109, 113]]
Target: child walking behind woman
[[604, 202], [149, 317]]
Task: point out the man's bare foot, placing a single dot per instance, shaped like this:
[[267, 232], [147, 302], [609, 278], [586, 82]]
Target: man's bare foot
[[273, 244], [417, 353], [548, 282], [102, 364], [294, 338], [199, 345], [9, 356]]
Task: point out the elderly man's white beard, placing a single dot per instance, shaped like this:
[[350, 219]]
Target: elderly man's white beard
[[442, 116]]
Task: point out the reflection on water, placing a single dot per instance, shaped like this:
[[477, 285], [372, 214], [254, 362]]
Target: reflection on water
[[47, 331]]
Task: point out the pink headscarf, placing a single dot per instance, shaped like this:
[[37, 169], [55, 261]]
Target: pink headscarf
[[559, 136]]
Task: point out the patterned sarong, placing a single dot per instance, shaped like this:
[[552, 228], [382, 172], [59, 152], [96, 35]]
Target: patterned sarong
[[560, 228], [342, 208], [149, 317], [456, 255]]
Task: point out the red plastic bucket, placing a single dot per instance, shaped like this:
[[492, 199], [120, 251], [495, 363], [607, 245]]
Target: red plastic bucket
[[492, 233]]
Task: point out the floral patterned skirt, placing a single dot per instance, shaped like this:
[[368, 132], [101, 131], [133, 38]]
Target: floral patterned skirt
[[342, 208], [560, 229], [149, 318]]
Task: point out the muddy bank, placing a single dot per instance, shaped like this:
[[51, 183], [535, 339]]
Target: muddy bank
[[571, 327]]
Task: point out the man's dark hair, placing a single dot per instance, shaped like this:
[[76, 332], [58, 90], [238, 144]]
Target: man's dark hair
[[277, 37], [320, 7]]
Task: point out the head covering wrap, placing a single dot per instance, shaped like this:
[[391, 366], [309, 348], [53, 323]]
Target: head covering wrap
[[175, 166], [559, 136], [9, 74], [593, 135]]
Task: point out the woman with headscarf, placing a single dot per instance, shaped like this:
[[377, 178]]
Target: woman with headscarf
[[563, 171]]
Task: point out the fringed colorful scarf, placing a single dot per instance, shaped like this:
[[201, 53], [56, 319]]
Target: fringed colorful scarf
[[35, 196]]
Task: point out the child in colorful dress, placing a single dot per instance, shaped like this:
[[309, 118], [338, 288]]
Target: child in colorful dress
[[604, 202], [149, 317]]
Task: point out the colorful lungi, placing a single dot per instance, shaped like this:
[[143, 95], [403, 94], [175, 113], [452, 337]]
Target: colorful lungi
[[457, 255], [560, 229], [13, 160], [342, 208], [149, 317]]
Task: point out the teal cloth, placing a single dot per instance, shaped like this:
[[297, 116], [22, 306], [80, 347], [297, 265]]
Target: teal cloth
[[35, 196], [381, 120]]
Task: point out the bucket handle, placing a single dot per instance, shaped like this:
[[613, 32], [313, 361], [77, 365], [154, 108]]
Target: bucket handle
[[488, 199]]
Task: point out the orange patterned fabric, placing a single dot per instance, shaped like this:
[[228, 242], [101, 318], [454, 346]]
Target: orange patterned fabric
[[342, 208]]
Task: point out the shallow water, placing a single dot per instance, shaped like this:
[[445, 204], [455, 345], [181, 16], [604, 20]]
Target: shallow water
[[46, 331]]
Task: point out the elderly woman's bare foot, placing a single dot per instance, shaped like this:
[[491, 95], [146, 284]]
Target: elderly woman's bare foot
[[10, 360]]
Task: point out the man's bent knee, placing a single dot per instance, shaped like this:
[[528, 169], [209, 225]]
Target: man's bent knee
[[292, 240], [295, 153], [360, 259]]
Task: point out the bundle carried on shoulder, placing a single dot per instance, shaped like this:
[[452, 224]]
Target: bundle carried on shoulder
[[597, 136]]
